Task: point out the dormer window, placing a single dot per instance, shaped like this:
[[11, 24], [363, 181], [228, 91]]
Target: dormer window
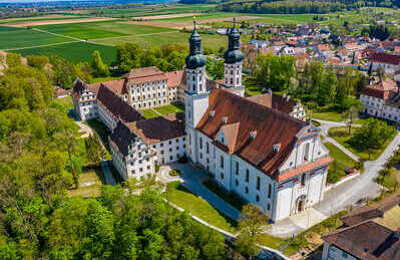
[[212, 113], [277, 147], [253, 135], [224, 120]]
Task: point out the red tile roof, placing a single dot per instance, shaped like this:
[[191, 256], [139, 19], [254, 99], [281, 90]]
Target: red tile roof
[[143, 75], [272, 127], [323, 47], [120, 138], [159, 129], [175, 78], [385, 58], [361, 214], [279, 102], [367, 240], [383, 89], [81, 87]]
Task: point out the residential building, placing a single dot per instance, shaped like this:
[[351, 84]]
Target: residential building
[[389, 62], [367, 240], [382, 100]]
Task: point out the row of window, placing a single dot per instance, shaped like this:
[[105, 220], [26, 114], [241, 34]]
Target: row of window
[[160, 102]]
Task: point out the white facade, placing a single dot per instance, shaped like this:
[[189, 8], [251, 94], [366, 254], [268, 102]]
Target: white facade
[[86, 106], [196, 103], [169, 151], [278, 199], [148, 94], [377, 107], [334, 253]]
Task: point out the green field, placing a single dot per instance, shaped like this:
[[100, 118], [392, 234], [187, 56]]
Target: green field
[[211, 41], [75, 52], [11, 37], [98, 30]]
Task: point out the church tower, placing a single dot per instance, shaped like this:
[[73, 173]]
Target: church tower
[[234, 62], [196, 94]]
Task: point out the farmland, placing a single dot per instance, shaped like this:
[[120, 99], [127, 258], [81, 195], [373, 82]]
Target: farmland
[[75, 52]]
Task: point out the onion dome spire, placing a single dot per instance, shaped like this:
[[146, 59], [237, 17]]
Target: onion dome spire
[[233, 54], [196, 59]]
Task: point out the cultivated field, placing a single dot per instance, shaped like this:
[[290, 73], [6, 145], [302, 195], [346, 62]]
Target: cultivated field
[[57, 21]]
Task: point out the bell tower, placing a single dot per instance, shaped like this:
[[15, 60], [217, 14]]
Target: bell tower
[[196, 94], [234, 62]]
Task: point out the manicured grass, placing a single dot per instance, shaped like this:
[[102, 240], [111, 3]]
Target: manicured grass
[[66, 102], [104, 79], [340, 156], [232, 199], [170, 109], [75, 52], [391, 218], [329, 114], [212, 41], [196, 206], [253, 91], [11, 38], [149, 113], [94, 178], [341, 135]]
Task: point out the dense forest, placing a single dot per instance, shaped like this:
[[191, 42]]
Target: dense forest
[[38, 220]]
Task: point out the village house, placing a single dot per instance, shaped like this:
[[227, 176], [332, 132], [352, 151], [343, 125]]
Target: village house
[[382, 100], [389, 62]]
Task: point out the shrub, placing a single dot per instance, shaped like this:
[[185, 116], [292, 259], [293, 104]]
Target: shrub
[[156, 167], [174, 172]]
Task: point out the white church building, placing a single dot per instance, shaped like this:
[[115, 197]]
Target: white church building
[[267, 157]]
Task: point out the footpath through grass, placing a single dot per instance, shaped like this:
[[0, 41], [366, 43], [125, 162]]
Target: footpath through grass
[[342, 136], [197, 206]]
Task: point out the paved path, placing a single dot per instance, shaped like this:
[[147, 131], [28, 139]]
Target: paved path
[[339, 198], [85, 129], [108, 174], [325, 125], [192, 179]]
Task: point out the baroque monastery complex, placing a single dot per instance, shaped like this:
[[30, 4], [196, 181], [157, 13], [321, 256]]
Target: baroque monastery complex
[[257, 147]]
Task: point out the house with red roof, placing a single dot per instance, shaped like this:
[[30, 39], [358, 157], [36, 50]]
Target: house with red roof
[[382, 100], [389, 62]]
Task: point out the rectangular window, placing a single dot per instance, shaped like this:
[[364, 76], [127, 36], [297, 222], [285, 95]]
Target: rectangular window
[[237, 168], [258, 184], [306, 152], [207, 147], [221, 161], [247, 175], [201, 142]]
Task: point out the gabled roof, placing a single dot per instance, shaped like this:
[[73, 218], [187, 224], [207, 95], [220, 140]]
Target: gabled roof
[[120, 138], [385, 58], [284, 104], [271, 126], [142, 75], [360, 215], [367, 240], [381, 89], [176, 78], [323, 47], [118, 108], [231, 132], [80, 87], [159, 129]]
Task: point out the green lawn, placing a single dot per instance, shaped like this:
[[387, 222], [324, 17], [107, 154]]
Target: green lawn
[[197, 206], [170, 109], [66, 102], [341, 135], [339, 156], [329, 114], [149, 113], [90, 183], [212, 41], [253, 91], [75, 52], [11, 37]]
